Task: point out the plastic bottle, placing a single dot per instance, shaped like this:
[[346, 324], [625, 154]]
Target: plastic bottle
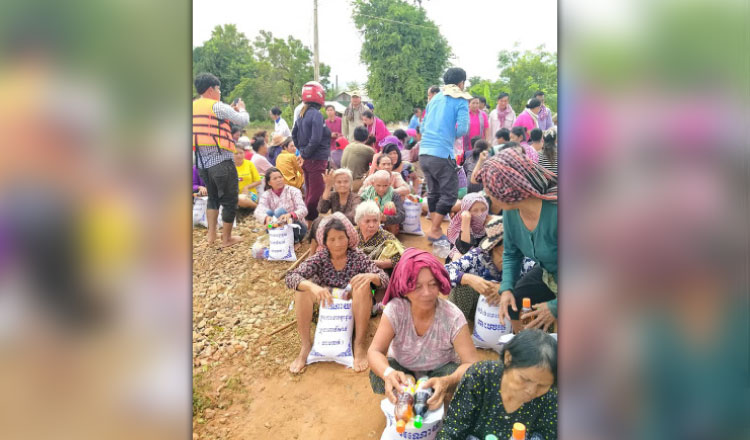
[[420, 401], [490, 437], [525, 309], [519, 432], [403, 410], [344, 293]]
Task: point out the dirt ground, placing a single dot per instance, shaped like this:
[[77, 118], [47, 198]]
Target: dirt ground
[[242, 388]]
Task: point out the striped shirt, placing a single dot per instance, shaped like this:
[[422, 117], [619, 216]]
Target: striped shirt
[[210, 156], [550, 165]]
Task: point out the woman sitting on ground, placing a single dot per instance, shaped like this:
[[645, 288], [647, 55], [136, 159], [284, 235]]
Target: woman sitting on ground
[[518, 388], [385, 163], [480, 271], [391, 146], [472, 158], [290, 164], [467, 227], [337, 197], [427, 335], [281, 196], [249, 180], [383, 194], [377, 243], [336, 263]]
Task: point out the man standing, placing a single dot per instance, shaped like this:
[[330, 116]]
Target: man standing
[[447, 119], [357, 157], [280, 125], [352, 116], [214, 153], [503, 115], [545, 115]]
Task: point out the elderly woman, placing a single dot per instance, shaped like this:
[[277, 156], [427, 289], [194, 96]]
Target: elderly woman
[[384, 163], [380, 245], [249, 180], [518, 388], [527, 194], [338, 196], [467, 227], [282, 196], [383, 194], [480, 271], [420, 333], [336, 263]]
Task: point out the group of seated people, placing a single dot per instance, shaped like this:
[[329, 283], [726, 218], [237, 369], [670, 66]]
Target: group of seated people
[[429, 303]]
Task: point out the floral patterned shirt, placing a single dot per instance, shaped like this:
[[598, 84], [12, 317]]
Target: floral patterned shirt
[[477, 408], [479, 262], [319, 269]]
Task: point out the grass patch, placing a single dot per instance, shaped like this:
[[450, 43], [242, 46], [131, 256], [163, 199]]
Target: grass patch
[[201, 399]]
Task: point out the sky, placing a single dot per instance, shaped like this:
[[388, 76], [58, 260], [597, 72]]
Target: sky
[[475, 48]]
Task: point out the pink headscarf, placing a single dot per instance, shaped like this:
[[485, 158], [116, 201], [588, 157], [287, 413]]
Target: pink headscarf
[[477, 223], [404, 278], [350, 231]]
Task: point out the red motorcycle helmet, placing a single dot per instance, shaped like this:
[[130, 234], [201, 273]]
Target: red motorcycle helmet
[[313, 91]]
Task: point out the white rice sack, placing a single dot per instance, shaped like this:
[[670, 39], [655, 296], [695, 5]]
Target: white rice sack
[[199, 211], [281, 244], [487, 327], [412, 223], [221, 222], [433, 421], [333, 335]]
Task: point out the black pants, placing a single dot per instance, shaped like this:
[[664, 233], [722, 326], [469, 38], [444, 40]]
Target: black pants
[[531, 286], [442, 182], [223, 189]]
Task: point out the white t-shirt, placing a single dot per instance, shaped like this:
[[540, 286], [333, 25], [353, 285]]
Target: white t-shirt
[[282, 128]]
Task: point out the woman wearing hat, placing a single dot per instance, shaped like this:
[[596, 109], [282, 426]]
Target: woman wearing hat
[[275, 149], [527, 193], [480, 271]]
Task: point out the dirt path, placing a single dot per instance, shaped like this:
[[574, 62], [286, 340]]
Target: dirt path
[[241, 386]]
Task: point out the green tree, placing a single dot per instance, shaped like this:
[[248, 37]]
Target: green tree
[[227, 54], [292, 64], [523, 73], [404, 52]]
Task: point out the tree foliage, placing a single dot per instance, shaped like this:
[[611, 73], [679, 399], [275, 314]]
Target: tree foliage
[[521, 74], [404, 52], [269, 72]]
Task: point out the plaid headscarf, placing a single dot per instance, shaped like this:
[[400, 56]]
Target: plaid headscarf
[[477, 223], [404, 278], [350, 231], [510, 177]]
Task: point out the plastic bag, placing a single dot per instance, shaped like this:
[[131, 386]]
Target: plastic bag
[[260, 247], [281, 246], [199, 211], [413, 221], [487, 326], [333, 335], [432, 423]]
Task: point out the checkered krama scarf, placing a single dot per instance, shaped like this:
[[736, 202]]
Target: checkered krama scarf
[[510, 177], [350, 231]]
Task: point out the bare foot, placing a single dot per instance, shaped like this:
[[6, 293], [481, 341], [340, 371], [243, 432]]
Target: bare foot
[[360, 359], [211, 237], [299, 364], [234, 239]]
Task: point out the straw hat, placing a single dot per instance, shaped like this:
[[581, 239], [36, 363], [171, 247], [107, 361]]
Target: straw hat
[[494, 233]]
